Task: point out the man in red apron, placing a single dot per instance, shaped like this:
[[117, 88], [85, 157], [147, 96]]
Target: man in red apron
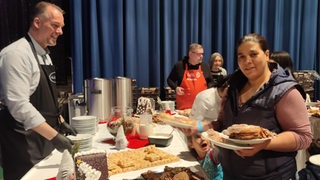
[[189, 76], [29, 113]]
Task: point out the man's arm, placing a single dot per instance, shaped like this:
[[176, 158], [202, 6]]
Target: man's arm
[[45, 130], [59, 141], [172, 78]]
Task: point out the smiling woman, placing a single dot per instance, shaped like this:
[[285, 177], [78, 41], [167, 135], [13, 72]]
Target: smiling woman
[[259, 94]]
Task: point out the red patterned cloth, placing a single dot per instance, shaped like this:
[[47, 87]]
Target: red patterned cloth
[[135, 142]]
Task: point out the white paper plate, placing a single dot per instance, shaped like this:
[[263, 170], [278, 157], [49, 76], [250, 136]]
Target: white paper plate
[[176, 124], [226, 145], [238, 141], [315, 159]]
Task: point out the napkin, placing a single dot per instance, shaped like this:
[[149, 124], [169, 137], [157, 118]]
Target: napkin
[[66, 168], [121, 140]]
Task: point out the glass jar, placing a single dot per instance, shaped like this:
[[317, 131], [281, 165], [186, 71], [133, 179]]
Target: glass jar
[[118, 117]]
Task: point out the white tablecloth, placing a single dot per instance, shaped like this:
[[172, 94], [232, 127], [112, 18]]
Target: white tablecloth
[[48, 167]]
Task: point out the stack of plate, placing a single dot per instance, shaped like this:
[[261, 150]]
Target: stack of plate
[[84, 124], [84, 141]]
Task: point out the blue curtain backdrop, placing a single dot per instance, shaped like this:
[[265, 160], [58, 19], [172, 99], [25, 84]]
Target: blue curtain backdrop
[[142, 39]]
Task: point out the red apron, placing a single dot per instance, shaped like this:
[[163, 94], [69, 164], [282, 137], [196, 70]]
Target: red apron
[[193, 82]]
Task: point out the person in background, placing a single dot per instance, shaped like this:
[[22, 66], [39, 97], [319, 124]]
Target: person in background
[[283, 58], [260, 93], [207, 156], [207, 104], [217, 71], [205, 109], [30, 123], [189, 76]]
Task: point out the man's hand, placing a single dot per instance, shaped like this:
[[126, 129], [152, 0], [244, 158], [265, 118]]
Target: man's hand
[[189, 131], [180, 91], [66, 129], [60, 142]]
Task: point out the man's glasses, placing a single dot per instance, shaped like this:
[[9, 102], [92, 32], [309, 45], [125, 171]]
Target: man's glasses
[[199, 54]]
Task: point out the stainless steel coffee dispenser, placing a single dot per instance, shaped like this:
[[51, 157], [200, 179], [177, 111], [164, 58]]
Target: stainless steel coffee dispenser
[[123, 92], [99, 97]]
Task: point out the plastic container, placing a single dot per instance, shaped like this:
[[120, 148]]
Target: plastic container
[[160, 139], [145, 126]]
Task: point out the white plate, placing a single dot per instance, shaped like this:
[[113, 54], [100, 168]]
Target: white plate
[[226, 145], [311, 104], [84, 118], [315, 159], [176, 123], [239, 141], [80, 137]]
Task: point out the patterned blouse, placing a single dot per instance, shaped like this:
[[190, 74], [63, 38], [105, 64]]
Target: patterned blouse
[[211, 166]]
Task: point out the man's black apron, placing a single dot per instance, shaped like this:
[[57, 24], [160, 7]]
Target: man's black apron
[[22, 149]]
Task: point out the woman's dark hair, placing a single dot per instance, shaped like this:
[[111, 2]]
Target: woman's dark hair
[[283, 59], [256, 38], [222, 82]]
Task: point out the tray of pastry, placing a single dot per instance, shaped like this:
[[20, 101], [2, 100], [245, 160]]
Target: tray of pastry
[[192, 173], [131, 160]]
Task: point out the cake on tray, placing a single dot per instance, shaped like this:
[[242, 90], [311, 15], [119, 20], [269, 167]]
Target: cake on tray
[[91, 165]]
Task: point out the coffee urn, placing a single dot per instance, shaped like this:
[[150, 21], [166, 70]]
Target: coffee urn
[[123, 92], [99, 97]]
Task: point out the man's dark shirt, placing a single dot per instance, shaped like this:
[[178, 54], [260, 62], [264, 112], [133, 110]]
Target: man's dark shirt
[[175, 77]]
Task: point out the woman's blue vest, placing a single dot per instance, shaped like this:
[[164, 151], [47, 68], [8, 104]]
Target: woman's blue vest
[[258, 110]]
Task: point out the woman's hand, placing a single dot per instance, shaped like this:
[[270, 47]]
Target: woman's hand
[[318, 103], [251, 152], [189, 131]]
